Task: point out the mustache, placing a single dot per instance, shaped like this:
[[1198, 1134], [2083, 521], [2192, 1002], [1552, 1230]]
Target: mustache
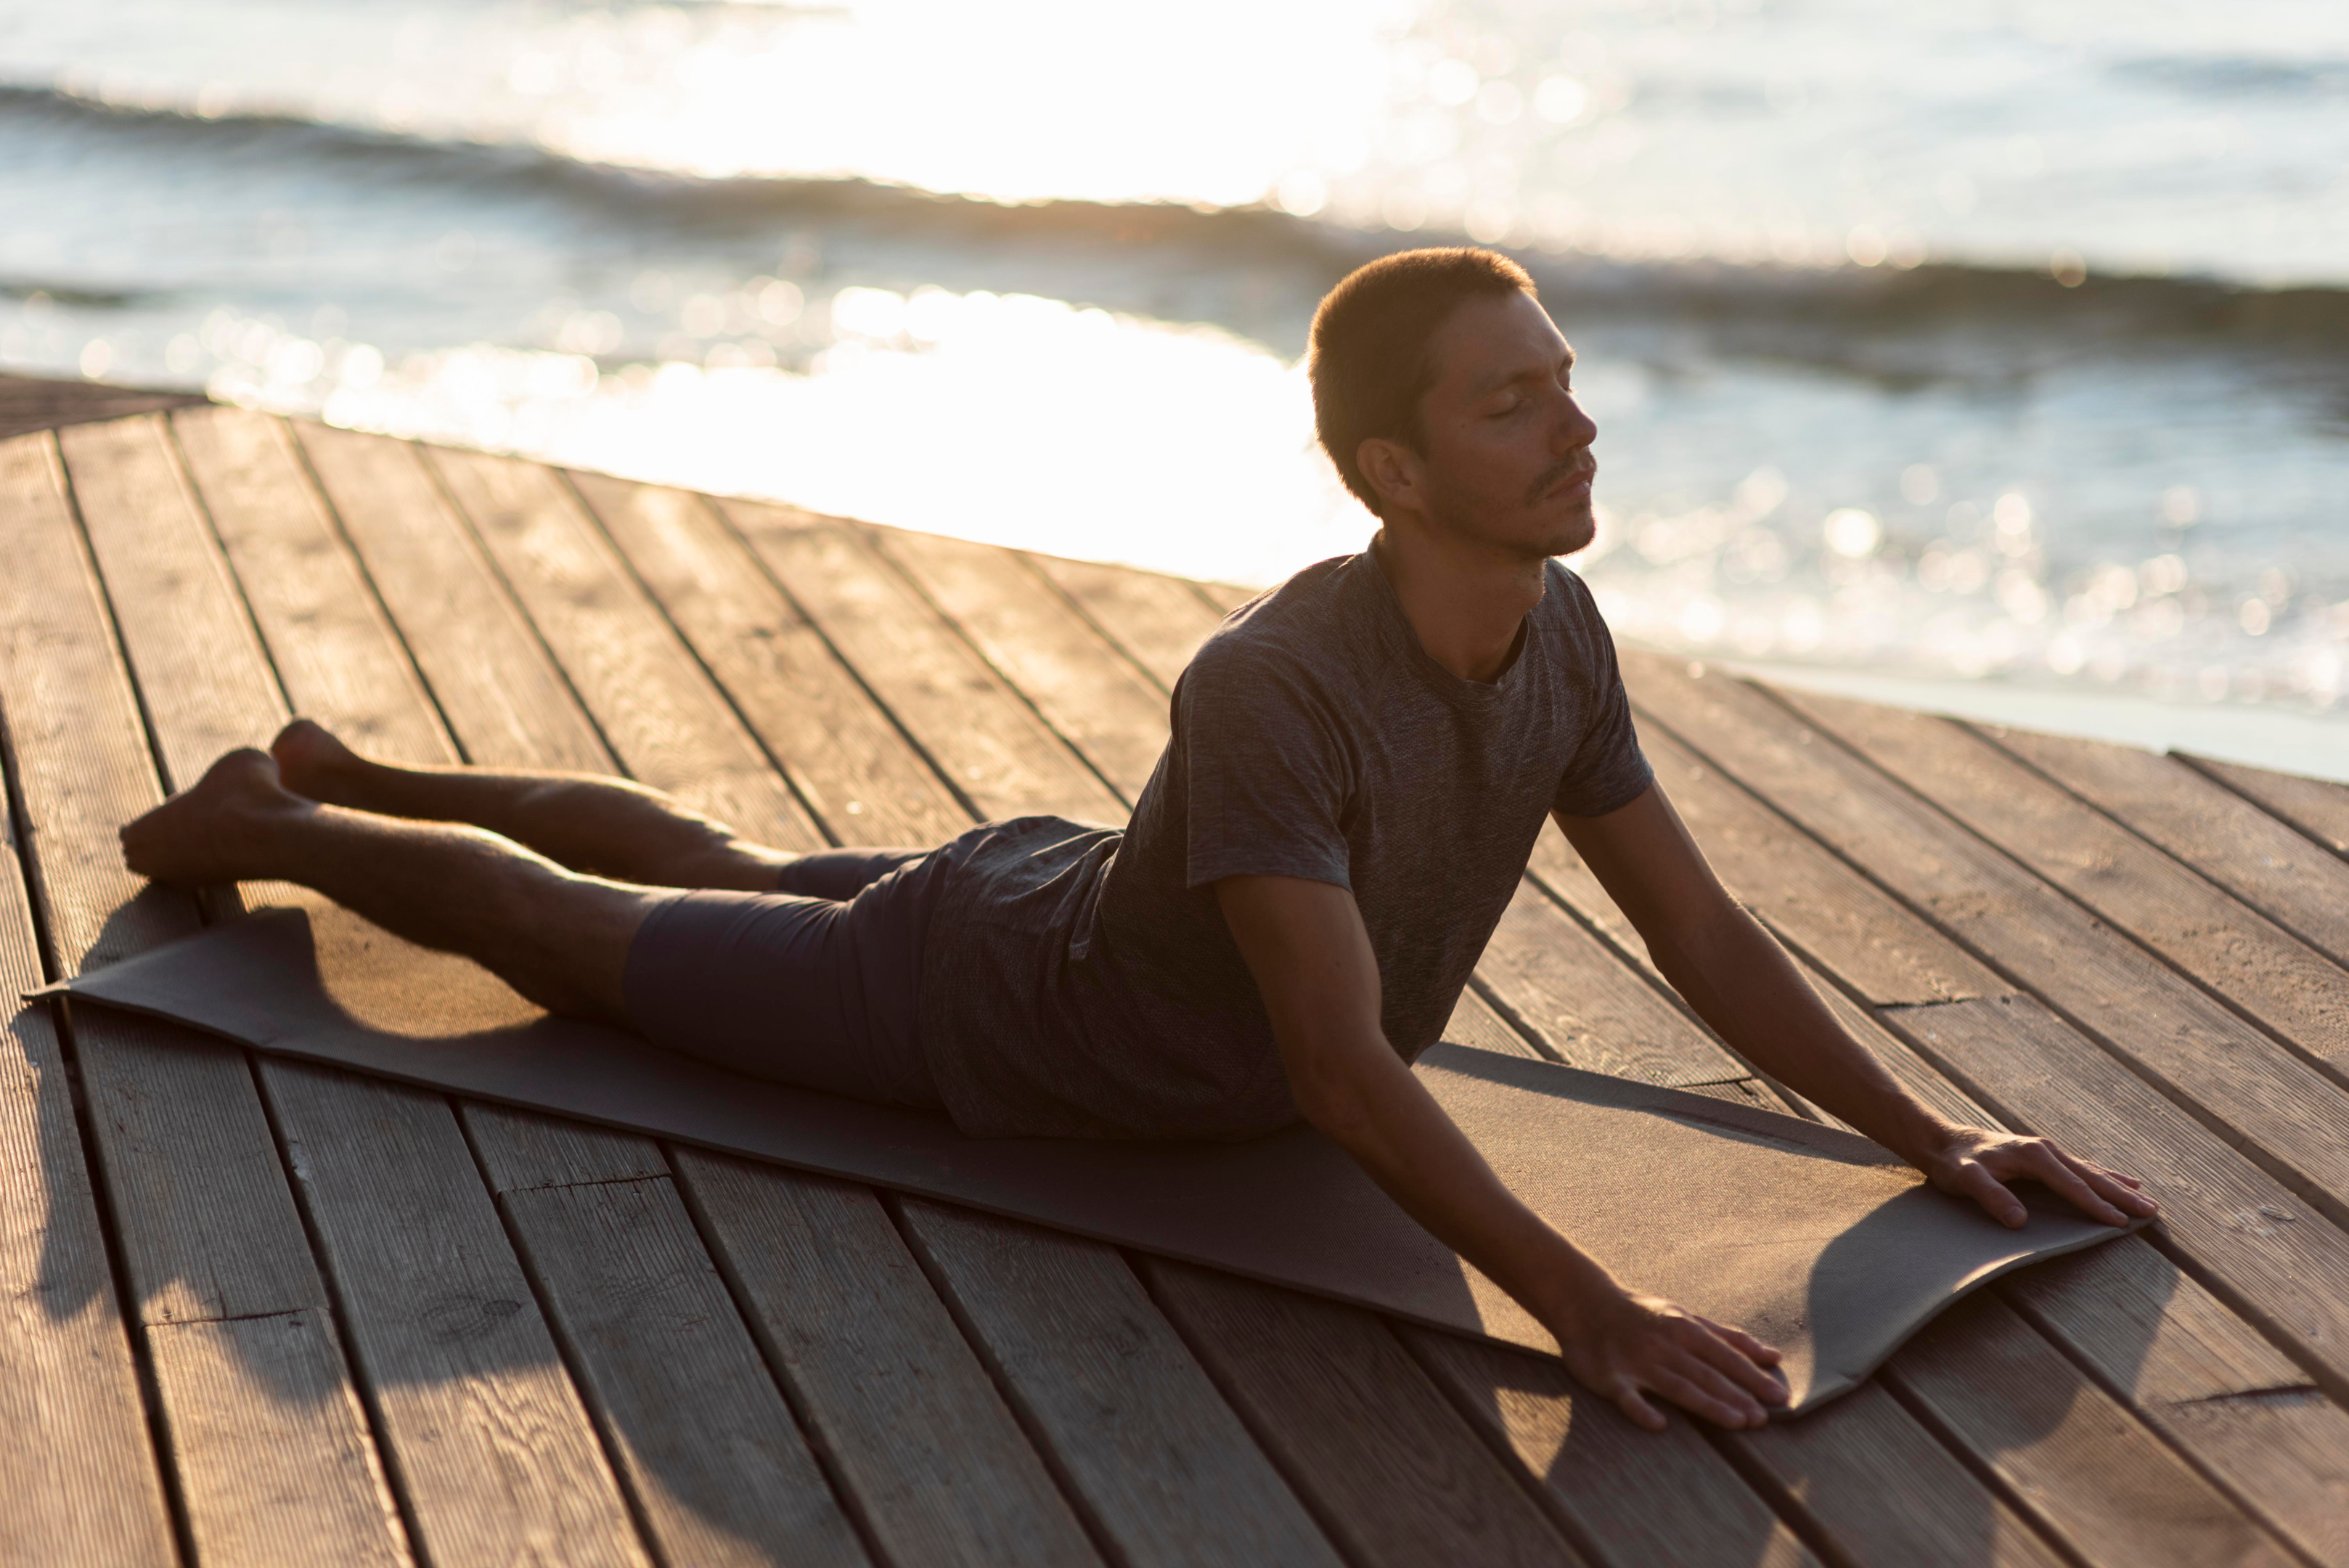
[[1572, 464]]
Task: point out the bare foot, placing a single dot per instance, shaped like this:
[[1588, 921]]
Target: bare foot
[[316, 766], [220, 831]]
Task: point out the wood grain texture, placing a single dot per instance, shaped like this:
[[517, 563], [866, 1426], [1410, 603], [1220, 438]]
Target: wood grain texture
[[1392, 1471], [1562, 987], [1166, 1470], [988, 744], [2231, 1401], [312, 604], [2282, 1263], [2301, 885], [937, 1467], [1042, 647], [2317, 807], [656, 1333], [2208, 934], [1879, 1486], [856, 770], [656, 709], [710, 1449], [82, 1485], [491, 676], [494, 1450], [2066, 1448], [2268, 1101], [1640, 1497], [1153, 619], [208, 1227], [295, 1482]]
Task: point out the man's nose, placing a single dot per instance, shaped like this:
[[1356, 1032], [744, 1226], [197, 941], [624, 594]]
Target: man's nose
[[1574, 427]]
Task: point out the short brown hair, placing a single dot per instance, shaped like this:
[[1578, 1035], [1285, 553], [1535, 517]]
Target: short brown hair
[[1370, 360]]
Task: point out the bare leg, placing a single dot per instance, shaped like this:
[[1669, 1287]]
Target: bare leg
[[606, 827], [559, 937]]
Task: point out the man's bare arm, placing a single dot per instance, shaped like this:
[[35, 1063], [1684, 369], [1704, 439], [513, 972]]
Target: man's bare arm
[[1741, 982], [1305, 943]]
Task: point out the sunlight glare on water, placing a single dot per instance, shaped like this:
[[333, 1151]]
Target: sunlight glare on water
[[1182, 448]]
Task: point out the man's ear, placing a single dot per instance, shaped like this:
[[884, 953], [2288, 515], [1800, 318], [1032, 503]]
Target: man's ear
[[1393, 470]]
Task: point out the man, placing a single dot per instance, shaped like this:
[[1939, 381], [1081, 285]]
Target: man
[[1360, 761]]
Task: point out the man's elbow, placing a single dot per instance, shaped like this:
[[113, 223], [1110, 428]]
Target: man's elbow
[[1328, 1096]]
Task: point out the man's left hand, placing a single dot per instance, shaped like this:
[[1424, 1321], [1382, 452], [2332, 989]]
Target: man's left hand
[[1977, 1163]]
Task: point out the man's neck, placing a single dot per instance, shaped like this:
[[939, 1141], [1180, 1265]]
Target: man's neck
[[1466, 601]]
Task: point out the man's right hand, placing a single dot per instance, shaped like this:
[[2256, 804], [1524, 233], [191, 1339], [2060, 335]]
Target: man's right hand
[[1634, 1349], [1304, 942]]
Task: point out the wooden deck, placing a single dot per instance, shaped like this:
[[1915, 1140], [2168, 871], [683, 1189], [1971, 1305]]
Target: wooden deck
[[261, 1313]]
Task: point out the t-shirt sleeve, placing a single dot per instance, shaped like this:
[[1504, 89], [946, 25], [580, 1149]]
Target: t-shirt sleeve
[[1608, 770], [1265, 772]]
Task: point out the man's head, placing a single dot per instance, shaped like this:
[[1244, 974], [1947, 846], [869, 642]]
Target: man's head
[[1441, 391]]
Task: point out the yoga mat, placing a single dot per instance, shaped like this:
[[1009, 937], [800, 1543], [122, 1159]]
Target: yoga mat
[[1816, 1240]]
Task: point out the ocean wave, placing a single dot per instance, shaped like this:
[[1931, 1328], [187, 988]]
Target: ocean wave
[[2069, 292]]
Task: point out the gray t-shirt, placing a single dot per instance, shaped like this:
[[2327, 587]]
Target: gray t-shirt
[[1081, 982]]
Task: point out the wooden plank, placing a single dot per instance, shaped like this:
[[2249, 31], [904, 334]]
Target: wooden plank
[[308, 596], [2211, 937], [2272, 1258], [2300, 884], [714, 1456], [273, 1456], [1883, 952], [1642, 1497], [1556, 982], [937, 1467], [1166, 1470], [655, 706], [1153, 621], [2268, 1102], [1874, 1482], [2067, 1450], [985, 742], [491, 678], [1394, 1473], [709, 1448], [2317, 807], [494, 1451], [1751, 848], [82, 1485], [2228, 1400], [1042, 648], [855, 770]]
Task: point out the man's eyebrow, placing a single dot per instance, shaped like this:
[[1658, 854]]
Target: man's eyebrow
[[1513, 377]]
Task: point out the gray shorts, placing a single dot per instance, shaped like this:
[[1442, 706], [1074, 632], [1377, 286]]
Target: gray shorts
[[816, 984]]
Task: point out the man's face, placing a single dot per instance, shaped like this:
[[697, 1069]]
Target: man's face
[[1508, 459]]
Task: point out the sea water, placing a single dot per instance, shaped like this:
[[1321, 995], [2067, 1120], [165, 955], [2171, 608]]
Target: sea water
[[2004, 348]]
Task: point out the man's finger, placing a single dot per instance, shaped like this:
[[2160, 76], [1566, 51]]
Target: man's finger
[[2048, 1167], [1717, 1401], [1975, 1180], [1734, 1363], [2117, 1187], [1766, 1355], [1634, 1403]]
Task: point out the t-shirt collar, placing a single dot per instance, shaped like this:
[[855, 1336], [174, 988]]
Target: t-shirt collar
[[1399, 633]]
